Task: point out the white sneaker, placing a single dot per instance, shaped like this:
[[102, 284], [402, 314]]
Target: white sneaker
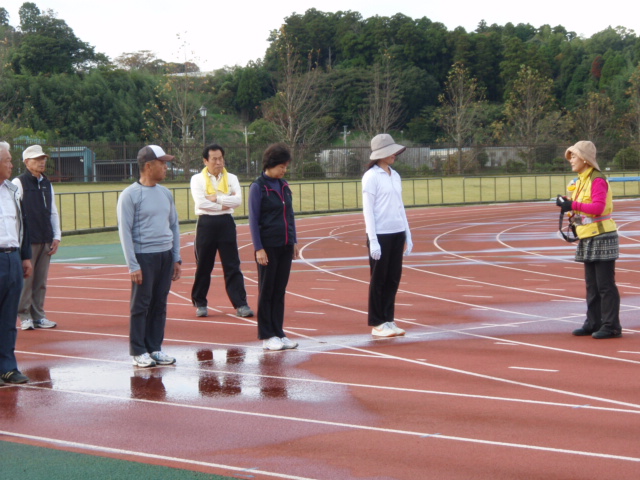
[[288, 343], [143, 360], [44, 323], [27, 324], [162, 358], [383, 330], [274, 343], [396, 328]]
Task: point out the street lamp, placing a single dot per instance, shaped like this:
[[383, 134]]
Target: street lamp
[[203, 114]]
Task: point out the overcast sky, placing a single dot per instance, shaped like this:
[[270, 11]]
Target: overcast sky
[[227, 33]]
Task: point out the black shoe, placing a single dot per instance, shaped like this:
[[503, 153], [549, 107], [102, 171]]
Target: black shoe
[[581, 332], [14, 376], [1, 382], [606, 333]]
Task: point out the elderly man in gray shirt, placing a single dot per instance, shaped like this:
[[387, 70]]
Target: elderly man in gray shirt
[[150, 238]]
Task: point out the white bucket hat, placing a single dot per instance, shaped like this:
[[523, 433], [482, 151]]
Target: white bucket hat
[[383, 146]]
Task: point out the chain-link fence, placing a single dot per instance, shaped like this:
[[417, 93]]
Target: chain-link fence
[[113, 162]]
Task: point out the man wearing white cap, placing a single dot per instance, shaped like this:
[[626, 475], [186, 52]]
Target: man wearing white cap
[[388, 234], [43, 222], [150, 238]]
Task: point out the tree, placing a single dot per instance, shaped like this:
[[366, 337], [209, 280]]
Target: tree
[[29, 17], [6, 39], [253, 87], [594, 117], [4, 17], [140, 60], [49, 46], [633, 115], [530, 113], [299, 108], [383, 109], [173, 116], [458, 114]]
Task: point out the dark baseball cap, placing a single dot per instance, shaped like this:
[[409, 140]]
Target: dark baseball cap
[[154, 152]]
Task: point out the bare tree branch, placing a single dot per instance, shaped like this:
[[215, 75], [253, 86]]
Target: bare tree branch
[[383, 109]]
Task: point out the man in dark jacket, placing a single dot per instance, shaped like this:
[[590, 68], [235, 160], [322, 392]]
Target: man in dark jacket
[[15, 264], [44, 231]]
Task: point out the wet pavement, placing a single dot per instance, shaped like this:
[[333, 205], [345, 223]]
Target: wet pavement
[[487, 383]]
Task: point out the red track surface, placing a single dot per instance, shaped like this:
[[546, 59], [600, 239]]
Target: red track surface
[[487, 384]]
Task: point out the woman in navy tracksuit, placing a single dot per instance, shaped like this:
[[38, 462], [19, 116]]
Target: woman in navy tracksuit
[[273, 231]]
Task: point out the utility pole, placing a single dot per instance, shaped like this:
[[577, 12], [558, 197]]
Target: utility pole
[[344, 135], [246, 148]]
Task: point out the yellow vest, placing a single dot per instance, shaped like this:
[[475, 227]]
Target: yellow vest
[[582, 194]]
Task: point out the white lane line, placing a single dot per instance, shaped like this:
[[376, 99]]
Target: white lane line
[[353, 385], [119, 451], [86, 299], [342, 425], [510, 325], [535, 369], [309, 313], [467, 332], [111, 289]]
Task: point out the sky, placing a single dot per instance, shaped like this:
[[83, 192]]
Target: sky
[[215, 34]]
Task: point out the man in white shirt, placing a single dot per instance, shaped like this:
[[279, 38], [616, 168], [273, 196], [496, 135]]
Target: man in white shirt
[[216, 194], [39, 203], [15, 266]]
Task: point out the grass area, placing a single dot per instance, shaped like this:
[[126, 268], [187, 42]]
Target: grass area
[[105, 238], [28, 462], [93, 205]]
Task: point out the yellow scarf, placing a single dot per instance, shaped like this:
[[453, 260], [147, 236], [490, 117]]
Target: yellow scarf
[[223, 185]]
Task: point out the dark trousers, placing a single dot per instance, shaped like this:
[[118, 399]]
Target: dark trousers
[[603, 298], [149, 302], [272, 285], [217, 233], [11, 278], [385, 278]]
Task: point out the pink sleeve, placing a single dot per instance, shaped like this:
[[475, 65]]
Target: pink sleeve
[[599, 190]]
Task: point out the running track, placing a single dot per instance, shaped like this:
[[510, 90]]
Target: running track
[[487, 384]]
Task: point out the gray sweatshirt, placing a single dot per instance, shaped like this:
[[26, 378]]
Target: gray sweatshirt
[[147, 222]]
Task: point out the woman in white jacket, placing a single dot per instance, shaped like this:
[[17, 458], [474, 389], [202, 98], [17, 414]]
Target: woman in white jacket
[[388, 234]]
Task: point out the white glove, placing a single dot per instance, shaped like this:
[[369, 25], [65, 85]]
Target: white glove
[[374, 249], [409, 243]]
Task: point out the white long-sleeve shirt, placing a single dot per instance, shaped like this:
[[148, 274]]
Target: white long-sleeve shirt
[[231, 200], [382, 202]]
